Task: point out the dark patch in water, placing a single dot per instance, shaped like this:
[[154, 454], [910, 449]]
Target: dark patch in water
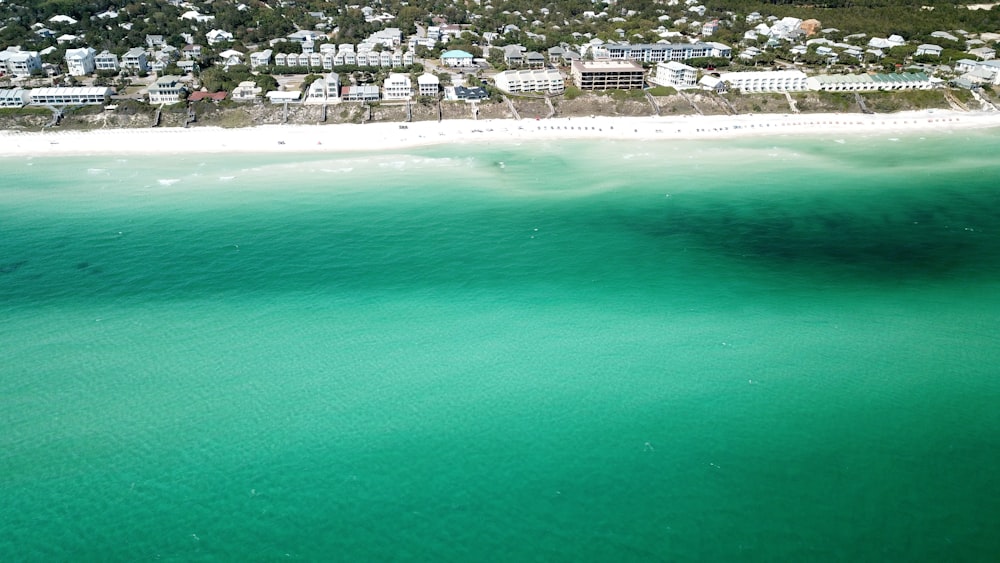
[[11, 267], [83, 265]]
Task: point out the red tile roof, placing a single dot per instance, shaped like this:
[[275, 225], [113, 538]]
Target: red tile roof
[[217, 96]]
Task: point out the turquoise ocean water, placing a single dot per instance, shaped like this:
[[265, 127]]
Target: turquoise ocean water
[[779, 349]]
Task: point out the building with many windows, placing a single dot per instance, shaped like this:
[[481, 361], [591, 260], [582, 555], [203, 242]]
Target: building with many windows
[[675, 74], [397, 86], [80, 62], [428, 84], [14, 97], [135, 59], [106, 61], [766, 81], [607, 75], [74, 96], [516, 81], [18, 63], [166, 90], [661, 52]]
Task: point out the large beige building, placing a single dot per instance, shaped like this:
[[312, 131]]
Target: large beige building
[[607, 75], [517, 81]]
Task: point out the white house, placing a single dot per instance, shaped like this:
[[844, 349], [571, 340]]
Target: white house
[[218, 36], [80, 62], [246, 91], [675, 74], [983, 53], [428, 84], [929, 49], [260, 58], [63, 19], [106, 61], [766, 81], [135, 58], [166, 90], [456, 58], [230, 57], [18, 63], [324, 90], [397, 86]]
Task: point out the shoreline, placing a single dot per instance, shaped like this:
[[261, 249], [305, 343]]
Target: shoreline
[[374, 137]]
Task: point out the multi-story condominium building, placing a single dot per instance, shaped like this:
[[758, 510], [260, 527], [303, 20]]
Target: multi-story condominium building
[[456, 58], [518, 81], [106, 61], [660, 52], [870, 82], [166, 90], [18, 63], [607, 75], [14, 97], [135, 59], [62, 96], [428, 84], [397, 87], [766, 81], [675, 74], [80, 62]]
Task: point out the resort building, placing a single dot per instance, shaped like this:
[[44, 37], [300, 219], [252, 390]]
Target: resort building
[[135, 59], [166, 90], [106, 61], [517, 81], [871, 82], [675, 75], [80, 62], [14, 98], [456, 58], [766, 81], [607, 75], [73, 96], [662, 52], [397, 86], [18, 63], [428, 84]]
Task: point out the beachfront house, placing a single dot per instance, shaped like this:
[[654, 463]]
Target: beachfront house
[[548, 81], [360, 93], [607, 75], [70, 96], [456, 58], [768, 81], [397, 86], [246, 91], [166, 90], [675, 75], [871, 82], [324, 90], [80, 62], [428, 84], [14, 97]]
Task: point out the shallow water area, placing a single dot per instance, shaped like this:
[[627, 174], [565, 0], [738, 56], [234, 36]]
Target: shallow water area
[[769, 349]]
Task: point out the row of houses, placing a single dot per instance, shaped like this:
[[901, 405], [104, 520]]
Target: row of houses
[[20, 97], [327, 60]]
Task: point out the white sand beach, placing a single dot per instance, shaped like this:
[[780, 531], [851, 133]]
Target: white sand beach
[[382, 136]]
